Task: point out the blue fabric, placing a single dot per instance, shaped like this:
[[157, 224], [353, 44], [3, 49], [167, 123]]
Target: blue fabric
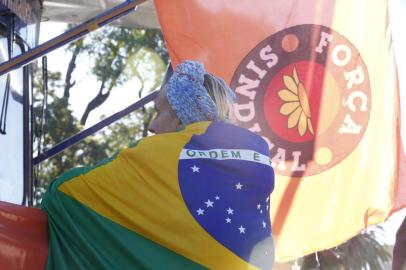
[[232, 195], [187, 95]]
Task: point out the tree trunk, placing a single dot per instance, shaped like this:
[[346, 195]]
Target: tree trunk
[[95, 102], [71, 67]]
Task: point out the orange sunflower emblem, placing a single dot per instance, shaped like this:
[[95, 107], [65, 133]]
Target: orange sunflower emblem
[[296, 104]]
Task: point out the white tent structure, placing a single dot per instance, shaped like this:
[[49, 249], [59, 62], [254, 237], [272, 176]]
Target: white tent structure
[[78, 11]]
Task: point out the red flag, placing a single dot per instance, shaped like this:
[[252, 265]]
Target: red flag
[[317, 80]]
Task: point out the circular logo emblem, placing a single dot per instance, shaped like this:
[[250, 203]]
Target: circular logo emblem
[[306, 91]]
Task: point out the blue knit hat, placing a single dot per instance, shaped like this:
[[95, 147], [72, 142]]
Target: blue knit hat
[[187, 95]]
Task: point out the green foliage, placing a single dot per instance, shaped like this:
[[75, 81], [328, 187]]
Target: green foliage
[[363, 251], [118, 55], [59, 124]]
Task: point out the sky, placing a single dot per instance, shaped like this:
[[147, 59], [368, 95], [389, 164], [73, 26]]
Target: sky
[[87, 86]]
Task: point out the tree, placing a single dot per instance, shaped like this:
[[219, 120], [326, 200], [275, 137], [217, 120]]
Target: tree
[[59, 124], [119, 54], [363, 251], [114, 50]]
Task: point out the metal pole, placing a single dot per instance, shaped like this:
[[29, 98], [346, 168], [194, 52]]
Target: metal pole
[[83, 134], [71, 35]]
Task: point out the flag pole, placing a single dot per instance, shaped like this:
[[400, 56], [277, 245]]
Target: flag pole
[[69, 36]]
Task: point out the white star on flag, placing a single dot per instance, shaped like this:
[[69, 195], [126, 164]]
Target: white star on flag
[[209, 203], [238, 186], [230, 211], [200, 212], [228, 220], [217, 197], [195, 168], [242, 229], [264, 224], [259, 206]]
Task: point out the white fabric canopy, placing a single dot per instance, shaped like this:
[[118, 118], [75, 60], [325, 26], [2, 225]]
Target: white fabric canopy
[[77, 11]]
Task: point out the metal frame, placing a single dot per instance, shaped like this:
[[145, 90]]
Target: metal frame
[[15, 38], [27, 140], [71, 35], [87, 132], [31, 55]]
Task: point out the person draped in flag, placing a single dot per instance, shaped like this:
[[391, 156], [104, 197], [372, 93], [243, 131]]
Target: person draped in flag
[[194, 196]]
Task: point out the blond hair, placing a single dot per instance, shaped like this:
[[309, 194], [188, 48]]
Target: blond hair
[[221, 94]]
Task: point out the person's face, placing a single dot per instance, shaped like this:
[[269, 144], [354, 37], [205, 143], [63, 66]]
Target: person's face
[[165, 119]]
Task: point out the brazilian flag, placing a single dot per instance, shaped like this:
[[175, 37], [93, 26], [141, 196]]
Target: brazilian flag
[[193, 199]]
